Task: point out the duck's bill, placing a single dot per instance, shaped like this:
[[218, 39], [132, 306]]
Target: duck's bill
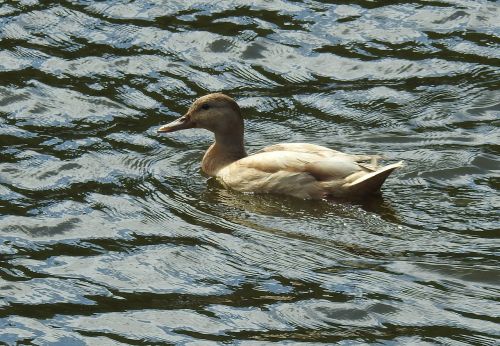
[[180, 124]]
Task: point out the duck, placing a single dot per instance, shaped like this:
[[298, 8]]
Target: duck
[[302, 170]]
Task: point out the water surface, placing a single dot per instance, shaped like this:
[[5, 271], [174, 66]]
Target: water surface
[[110, 234]]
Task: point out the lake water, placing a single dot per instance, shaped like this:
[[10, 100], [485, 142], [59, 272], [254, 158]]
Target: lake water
[[111, 235]]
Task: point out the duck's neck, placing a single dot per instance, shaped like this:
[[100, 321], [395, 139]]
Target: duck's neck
[[226, 149]]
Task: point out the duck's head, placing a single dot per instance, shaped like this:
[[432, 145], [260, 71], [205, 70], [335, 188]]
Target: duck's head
[[214, 112]]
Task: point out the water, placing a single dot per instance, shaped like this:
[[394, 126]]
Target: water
[[110, 234]]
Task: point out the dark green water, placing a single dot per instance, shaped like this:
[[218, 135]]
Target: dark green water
[[110, 234]]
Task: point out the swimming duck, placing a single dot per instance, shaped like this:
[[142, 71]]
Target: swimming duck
[[298, 169]]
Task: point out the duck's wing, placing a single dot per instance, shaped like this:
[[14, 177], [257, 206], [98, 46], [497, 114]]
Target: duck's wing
[[300, 148], [368, 161], [294, 173]]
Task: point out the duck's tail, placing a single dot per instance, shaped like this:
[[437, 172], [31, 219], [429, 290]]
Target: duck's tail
[[371, 182]]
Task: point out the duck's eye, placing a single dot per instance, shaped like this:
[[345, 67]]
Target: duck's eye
[[205, 106]]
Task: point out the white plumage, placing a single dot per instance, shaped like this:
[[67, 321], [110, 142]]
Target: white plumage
[[298, 169]]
